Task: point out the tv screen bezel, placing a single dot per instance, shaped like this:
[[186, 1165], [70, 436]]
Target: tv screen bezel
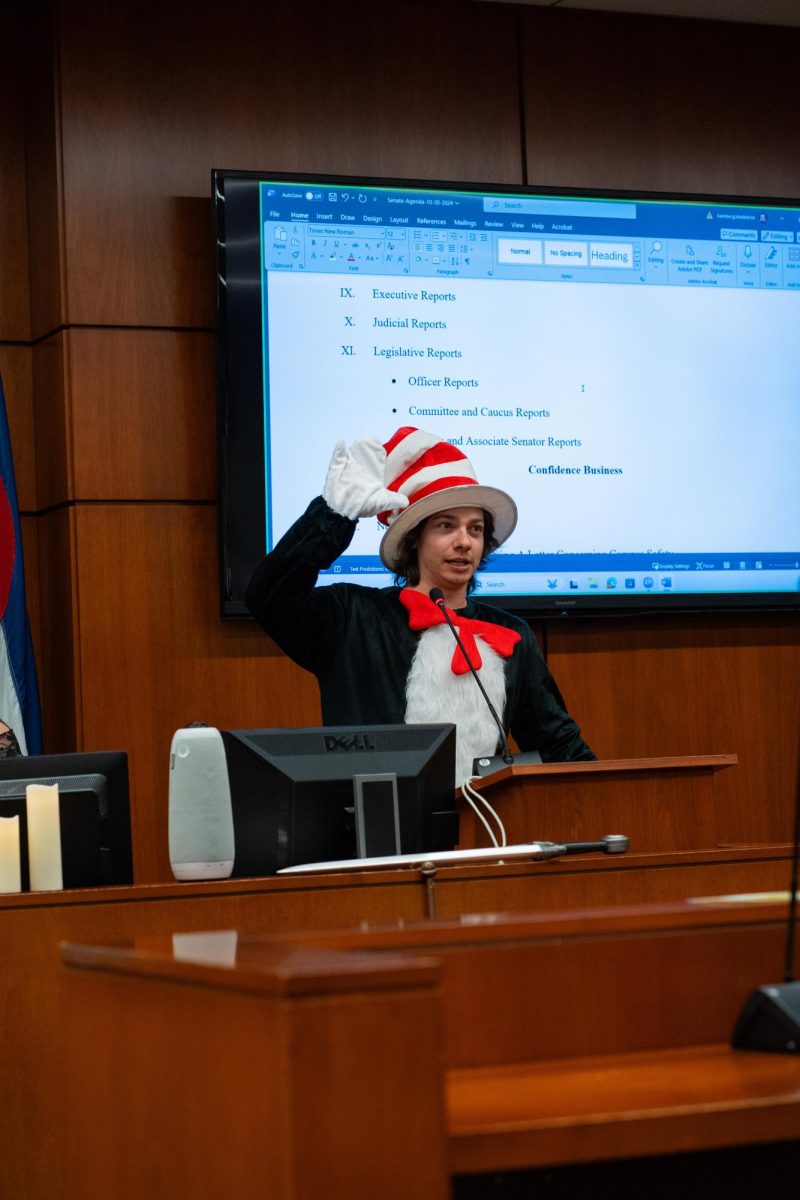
[[232, 515]]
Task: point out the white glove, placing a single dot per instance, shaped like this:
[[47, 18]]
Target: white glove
[[354, 486]]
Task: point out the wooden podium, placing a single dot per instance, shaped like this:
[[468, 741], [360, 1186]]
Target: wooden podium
[[662, 804]]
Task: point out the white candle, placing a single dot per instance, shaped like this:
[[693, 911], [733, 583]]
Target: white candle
[[10, 873], [44, 837]]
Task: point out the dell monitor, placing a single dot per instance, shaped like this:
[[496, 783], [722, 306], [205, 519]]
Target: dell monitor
[[295, 793]]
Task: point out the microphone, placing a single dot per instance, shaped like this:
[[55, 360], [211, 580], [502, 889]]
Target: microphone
[[437, 596], [612, 843]]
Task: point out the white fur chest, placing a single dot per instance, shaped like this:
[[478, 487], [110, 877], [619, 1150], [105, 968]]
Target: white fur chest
[[435, 695]]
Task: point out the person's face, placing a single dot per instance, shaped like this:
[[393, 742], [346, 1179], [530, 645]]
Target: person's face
[[450, 549]]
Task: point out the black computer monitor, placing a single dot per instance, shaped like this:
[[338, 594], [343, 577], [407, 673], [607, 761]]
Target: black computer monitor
[[94, 812], [292, 790]]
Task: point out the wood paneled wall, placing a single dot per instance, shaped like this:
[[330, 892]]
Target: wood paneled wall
[[129, 106], [642, 102]]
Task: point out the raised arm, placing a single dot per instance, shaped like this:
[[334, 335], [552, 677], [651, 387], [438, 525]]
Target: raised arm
[[282, 595]]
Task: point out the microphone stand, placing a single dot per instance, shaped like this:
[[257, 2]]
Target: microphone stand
[[770, 1019], [428, 864], [437, 596]]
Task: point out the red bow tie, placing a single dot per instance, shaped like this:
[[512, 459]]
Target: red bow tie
[[423, 613]]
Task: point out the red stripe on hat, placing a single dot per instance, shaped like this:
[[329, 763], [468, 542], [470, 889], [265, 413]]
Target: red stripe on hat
[[438, 455], [398, 437], [438, 485]]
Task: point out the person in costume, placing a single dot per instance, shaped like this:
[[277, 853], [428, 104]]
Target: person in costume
[[385, 655]]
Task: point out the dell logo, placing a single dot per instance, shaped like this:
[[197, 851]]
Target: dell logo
[[347, 741]]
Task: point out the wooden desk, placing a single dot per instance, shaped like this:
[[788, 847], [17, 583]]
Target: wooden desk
[[566, 1038], [31, 927]]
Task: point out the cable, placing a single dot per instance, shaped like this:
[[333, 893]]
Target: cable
[[474, 798]]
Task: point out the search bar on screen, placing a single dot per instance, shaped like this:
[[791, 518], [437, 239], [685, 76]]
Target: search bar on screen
[[540, 206]]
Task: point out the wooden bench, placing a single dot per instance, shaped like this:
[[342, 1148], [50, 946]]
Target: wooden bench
[[412, 1055]]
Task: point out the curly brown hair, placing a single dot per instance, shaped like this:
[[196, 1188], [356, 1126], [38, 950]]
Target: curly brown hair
[[406, 573]]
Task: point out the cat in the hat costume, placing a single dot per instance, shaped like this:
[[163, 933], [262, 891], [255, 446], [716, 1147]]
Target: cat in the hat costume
[[385, 655]]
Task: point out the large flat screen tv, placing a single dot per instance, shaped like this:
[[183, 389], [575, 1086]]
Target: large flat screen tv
[[627, 365]]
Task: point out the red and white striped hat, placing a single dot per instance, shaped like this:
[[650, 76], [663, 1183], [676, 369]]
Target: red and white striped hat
[[434, 475]]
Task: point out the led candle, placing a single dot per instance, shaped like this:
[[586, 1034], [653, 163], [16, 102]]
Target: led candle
[[44, 837], [10, 873]]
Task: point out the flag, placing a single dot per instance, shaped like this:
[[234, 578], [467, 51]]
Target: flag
[[19, 693]]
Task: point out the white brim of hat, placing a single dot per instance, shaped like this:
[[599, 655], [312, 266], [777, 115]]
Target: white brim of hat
[[475, 495]]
